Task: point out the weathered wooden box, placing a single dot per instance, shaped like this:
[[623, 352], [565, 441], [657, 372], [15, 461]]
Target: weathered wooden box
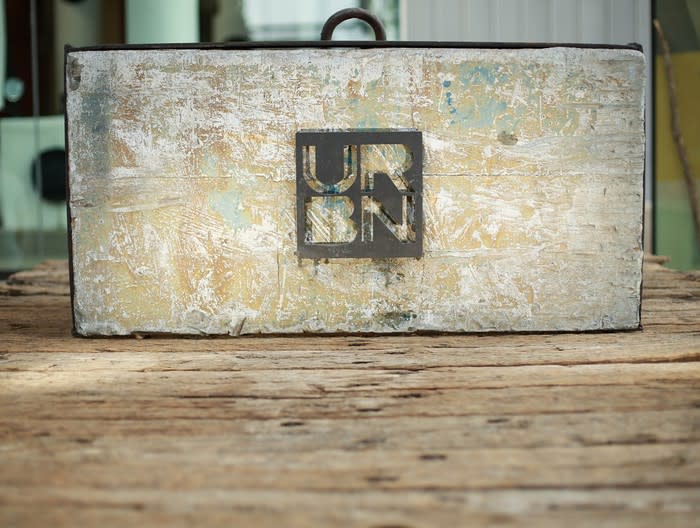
[[512, 201]]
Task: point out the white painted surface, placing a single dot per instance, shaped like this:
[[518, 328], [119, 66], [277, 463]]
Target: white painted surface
[[183, 189]]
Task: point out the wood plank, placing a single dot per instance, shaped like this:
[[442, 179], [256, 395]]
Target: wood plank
[[406, 352], [491, 403], [312, 382], [611, 507], [431, 435], [178, 465]]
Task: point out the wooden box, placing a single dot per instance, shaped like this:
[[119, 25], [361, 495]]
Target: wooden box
[[189, 212]]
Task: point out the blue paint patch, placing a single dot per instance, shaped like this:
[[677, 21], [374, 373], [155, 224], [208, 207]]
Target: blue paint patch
[[369, 122], [343, 204], [210, 165], [479, 75], [228, 205], [482, 115], [446, 84], [448, 98]]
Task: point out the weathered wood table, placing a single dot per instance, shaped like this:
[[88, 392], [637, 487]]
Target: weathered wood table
[[597, 429]]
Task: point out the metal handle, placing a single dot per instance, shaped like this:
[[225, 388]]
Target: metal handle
[[353, 12]]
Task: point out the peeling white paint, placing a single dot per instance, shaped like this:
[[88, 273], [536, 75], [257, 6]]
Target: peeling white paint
[[182, 188]]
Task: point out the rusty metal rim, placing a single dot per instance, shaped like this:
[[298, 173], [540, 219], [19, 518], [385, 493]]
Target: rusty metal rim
[[363, 44]]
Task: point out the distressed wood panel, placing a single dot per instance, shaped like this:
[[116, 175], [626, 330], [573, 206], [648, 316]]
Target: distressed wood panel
[[182, 179]]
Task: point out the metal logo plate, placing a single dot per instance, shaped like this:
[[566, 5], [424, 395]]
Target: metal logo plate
[[359, 193]]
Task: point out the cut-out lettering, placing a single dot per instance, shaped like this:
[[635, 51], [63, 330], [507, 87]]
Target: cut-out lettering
[[359, 193]]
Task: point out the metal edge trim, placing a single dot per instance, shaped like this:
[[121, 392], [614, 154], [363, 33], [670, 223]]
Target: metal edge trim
[[71, 275], [365, 44]]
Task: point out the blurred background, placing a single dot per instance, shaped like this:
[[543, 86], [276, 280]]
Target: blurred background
[[33, 34]]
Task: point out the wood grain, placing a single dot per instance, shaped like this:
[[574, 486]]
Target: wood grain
[[401, 431]]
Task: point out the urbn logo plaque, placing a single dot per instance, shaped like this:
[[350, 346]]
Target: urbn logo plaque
[[359, 193]]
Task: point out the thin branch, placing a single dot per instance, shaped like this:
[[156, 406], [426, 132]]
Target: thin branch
[[676, 130]]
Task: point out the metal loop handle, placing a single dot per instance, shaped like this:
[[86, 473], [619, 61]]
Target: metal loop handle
[[353, 12]]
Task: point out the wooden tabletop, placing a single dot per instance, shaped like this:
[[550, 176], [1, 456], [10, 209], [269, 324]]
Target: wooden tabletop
[[597, 429]]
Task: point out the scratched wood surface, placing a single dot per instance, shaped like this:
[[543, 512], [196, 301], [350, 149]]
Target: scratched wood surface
[[182, 181], [403, 431]]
